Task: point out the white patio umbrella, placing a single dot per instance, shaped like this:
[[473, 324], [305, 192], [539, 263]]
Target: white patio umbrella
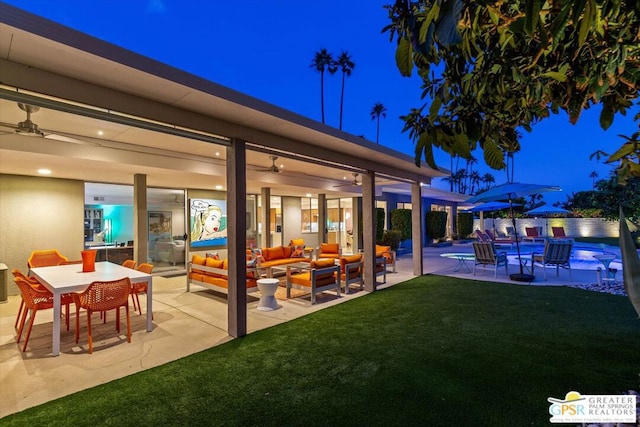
[[509, 192], [545, 210]]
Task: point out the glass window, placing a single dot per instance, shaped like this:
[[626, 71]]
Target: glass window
[[403, 206], [309, 208]]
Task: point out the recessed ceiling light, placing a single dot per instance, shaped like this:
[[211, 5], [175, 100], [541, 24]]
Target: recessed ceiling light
[[100, 133], [308, 195], [217, 153], [44, 171], [219, 187]]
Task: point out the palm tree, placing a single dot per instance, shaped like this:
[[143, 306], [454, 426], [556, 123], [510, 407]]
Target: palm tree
[[468, 171], [488, 179], [593, 175], [378, 110], [474, 178], [323, 61], [346, 66]]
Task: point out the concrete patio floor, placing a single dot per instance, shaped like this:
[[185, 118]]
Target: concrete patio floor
[[184, 323]]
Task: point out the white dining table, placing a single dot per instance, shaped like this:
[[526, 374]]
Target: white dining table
[[62, 279]]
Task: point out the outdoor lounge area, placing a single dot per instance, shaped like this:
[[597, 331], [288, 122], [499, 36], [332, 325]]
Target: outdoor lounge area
[[184, 323], [281, 177]]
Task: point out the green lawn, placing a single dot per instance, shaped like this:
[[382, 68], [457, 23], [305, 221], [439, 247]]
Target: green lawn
[[431, 351]]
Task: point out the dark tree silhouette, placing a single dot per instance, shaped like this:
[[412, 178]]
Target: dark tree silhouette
[[378, 110]]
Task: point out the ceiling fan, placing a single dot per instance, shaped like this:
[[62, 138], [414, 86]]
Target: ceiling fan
[[352, 183], [29, 128], [273, 168]]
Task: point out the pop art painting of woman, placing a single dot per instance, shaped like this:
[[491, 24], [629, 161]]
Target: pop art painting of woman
[[208, 223]]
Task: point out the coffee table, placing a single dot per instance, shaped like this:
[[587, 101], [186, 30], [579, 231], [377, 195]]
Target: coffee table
[[295, 267], [462, 258]]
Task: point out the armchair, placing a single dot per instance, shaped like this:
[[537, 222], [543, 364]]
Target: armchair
[[389, 256], [323, 275], [557, 253], [328, 250], [351, 271]]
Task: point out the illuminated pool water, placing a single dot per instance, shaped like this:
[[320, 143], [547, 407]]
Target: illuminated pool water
[[582, 257]]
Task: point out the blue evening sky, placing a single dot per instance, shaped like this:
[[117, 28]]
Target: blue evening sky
[[264, 49]]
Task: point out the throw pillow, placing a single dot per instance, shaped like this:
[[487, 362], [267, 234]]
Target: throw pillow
[[298, 251], [213, 255]]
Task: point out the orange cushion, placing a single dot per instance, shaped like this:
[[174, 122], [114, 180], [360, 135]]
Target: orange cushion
[[277, 252], [271, 253], [332, 248], [348, 260], [384, 251], [325, 279], [296, 242], [194, 275], [198, 260], [214, 263], [214, 280], [322, 263]]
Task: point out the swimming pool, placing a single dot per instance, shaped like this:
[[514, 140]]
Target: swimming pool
[[582, 255]]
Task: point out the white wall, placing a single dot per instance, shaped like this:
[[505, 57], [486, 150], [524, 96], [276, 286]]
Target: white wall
[[573, 227]]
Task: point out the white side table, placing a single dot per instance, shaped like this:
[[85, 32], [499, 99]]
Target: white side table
[[267, 288]]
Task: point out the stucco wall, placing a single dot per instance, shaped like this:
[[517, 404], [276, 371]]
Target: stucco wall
[[573, 227], [39, 213]]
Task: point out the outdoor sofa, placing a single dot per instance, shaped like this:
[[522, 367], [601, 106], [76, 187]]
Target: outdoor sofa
[[214, 274]]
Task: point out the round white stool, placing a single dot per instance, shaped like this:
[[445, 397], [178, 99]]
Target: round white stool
[[267, 288]]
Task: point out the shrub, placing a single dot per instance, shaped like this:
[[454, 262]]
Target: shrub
[[436, 224], [401, 221], [391, 238], [379, 224], [464, 224]]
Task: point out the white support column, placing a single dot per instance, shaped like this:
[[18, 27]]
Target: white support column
[[265, 208], [237, 237], [140, 219], [417, 231], [369, 229], [322, 219]]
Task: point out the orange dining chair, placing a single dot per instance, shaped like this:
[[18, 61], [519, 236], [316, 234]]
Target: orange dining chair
[[33, 282], [66, 298], [102, 297], [129, 263], [35, 299], [45, 258], [140, 288]]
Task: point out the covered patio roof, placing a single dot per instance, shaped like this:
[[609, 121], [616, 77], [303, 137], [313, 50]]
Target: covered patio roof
[[97, 78]]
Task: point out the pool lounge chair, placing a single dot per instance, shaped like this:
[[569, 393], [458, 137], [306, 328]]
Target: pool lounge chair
[[558, 233], [482, 237], [509, 240], [533, 235]]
